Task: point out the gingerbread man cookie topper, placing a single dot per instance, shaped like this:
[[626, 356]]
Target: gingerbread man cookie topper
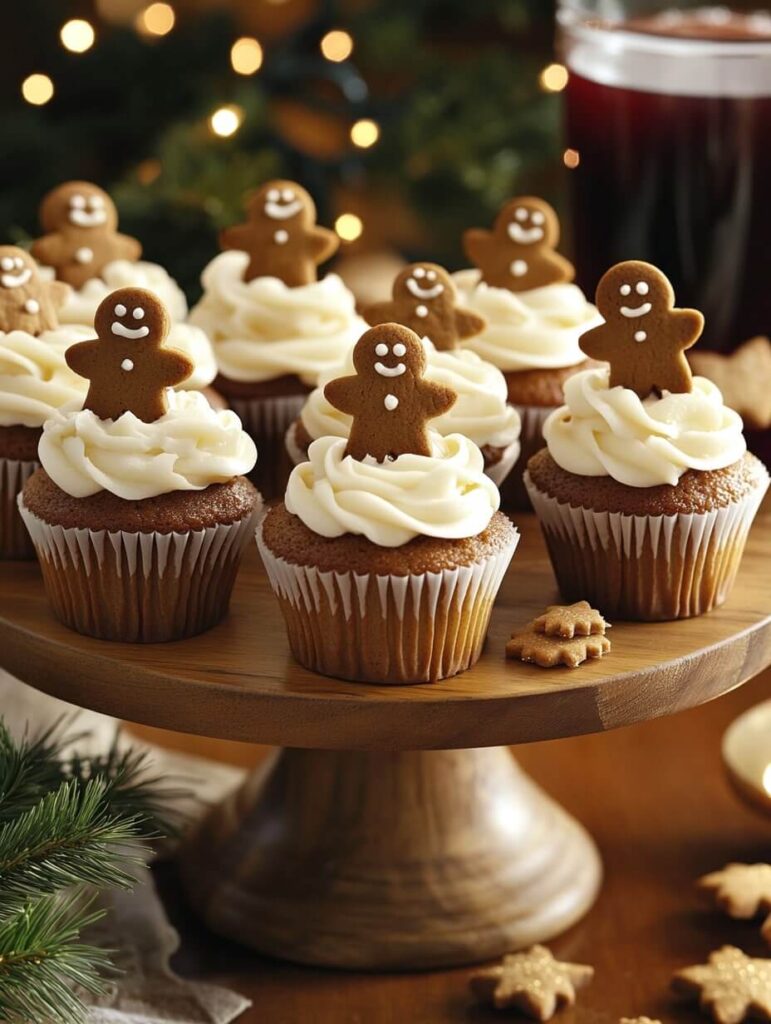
[[425, 300], [281, 235], [519, 253], [27, 302], [81, 237], [389, 398], [127, 364], [644, 337]]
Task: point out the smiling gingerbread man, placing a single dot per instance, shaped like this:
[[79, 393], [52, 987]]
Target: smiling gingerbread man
[[425, 300], [81, 237], [519, 253], [27, 302], [389, 398], [281, 235], [128, 365], [644, 337]]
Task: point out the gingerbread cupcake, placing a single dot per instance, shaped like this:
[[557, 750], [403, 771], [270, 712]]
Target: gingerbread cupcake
[[534, 317], [35, 381], [645, 490], [275, 327], [388, 551], [425, 300], [83, 248], [139, 513]]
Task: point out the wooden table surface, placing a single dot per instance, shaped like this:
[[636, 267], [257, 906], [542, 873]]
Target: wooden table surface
[[656, 800]]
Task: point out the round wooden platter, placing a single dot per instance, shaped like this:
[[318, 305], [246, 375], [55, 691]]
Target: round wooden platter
[[239, 681]]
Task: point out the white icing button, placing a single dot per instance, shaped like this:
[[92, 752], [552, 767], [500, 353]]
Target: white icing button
[[127, 365], [640, 335], [281, 237], [519, 268], [84, 254], [421, 311], [390, 402], [32, 306]]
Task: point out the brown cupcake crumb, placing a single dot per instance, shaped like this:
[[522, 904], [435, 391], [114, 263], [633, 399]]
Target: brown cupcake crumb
[[542, 387]]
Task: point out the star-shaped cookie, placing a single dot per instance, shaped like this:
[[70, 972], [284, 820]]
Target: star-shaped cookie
[[569, 620], [732, 986], [532, 982], [549, 651], [744, 378], [742, 891]]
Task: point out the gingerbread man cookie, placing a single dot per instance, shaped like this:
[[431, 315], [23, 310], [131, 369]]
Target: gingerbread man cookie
[[424, 299], [518, 254], [281, 235], [127, 364], [644, 337], [81, 237], [388, 398], [27, 302]]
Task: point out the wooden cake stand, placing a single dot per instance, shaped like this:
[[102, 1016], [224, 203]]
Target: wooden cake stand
[[394, 830]]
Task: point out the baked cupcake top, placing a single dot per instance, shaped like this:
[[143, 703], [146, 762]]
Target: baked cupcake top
[[481, 411], [392, 480], [133, 436], [646, 420]]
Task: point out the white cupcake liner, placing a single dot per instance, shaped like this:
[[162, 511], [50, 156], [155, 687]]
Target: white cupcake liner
[[646, 567], [266, 420], [15, 542], [513, 492], [139, 587], [387, 629]]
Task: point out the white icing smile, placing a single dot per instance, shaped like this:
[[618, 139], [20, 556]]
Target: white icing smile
[[424, 293], [86, 218], [390, 371], [524, 236], [15, 280], [635, 311], [132, 333]]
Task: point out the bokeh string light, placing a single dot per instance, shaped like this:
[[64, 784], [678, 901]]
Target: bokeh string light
[[226, 120], [337, 45], [156, 20], [571, 158], [365, 133], [349, 227], [553, 78], [37, 89], [77, 35], [246, 56]]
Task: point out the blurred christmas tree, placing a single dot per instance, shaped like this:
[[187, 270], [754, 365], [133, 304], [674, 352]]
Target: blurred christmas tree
[[409, 120]]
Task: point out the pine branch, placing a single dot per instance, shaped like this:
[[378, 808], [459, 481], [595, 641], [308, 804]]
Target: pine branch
[[42, 961], [30, 767]]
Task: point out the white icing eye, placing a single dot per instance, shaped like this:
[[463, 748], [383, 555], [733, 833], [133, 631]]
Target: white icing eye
[[273, 195], [419, 272], [7, 263], [138, 313], [625, 289], [642, 288], [95, 202], [287, 195], [18, 262], [521, 213], [120, 309], [399, 349], [430, 275], [538, 217], [78, 202], [381, 349]]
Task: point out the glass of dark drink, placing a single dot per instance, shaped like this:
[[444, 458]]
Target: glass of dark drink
[[669, 113]]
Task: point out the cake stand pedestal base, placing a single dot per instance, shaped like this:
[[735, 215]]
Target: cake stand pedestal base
[[390, 861]]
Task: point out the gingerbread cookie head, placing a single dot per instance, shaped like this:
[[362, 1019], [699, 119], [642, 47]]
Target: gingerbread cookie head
[[78, 204], [128, 365], [27, 302], [425, 283], [644, 336], [528, 222], [389, 399], [282, 203]]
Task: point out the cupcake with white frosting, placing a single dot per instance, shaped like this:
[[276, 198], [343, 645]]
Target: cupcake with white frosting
[[389, 548], [82, 247], [141, 510], [534, 316], [645, 490], [275, 328]]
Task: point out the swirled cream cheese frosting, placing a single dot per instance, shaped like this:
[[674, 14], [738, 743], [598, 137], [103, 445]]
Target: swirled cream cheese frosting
[[35, 380], [480, 412], [531, 330], [81, 304], [604, 431], [263, 329], [187, 449], [444, 495]]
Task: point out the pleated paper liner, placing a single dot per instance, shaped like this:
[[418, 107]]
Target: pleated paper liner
[[387, 629], [139, 587], [648, 568], [15, 542], [267, 420]]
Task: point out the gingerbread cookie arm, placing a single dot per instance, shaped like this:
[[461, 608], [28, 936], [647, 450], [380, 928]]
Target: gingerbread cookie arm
[[323, 243], [172, 366], [237, 236], [560, 269], [381, 313], [127, 248], [597, 343], [436, 399], [689, 325], [59, 292], [468, 324], [46, 249], [477, 244], [83, 357], [346, 394]]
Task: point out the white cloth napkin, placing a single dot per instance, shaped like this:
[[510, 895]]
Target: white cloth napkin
[[147, 991]]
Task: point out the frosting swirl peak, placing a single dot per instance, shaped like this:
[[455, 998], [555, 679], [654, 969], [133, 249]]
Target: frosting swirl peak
[[35, 380]]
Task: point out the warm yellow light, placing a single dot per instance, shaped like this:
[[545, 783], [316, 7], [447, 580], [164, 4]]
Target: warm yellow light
[[246, 55], [767, 779], [77, 35], [157, 19], [149, 171], [349, 227], [337, 45], [225, 121], [37, 89], [571, 158], [553, 78], [365, 133]]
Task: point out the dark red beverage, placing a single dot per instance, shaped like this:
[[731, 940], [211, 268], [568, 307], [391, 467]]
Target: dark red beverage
[[671, 118]]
